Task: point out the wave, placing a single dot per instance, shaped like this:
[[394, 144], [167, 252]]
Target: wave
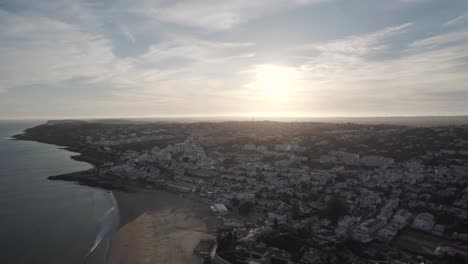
[[108, 224]]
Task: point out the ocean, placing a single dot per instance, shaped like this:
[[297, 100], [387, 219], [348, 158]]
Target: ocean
[[43, 221]]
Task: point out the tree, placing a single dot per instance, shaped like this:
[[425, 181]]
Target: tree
[[246, 208], [295, 211], [226, 241], [235, 202], [336, 209]]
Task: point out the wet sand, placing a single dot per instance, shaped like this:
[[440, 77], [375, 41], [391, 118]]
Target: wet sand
[[159, 227]]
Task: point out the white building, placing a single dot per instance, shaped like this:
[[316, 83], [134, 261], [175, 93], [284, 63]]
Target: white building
[[377, 161], [219, 209], [424, 222]]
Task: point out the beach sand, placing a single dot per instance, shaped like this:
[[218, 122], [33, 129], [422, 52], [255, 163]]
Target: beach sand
[[159, 228]]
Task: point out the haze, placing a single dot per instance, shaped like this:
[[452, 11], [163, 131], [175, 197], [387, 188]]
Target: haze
[[239, 58]]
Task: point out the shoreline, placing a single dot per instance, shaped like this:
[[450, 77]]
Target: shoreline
[[156, 225], [159, 227], [80, 156], [90, 178], [86, 177], [73, 236]]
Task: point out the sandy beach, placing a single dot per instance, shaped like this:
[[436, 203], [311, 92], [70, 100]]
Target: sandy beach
[[159, 227]]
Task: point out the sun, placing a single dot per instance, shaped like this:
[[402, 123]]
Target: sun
[[273, 83]]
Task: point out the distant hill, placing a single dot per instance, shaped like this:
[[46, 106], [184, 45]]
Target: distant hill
[[423, 121]]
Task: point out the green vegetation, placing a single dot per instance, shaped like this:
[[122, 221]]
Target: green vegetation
[[235, 202], [246, 207], [336, 209], [226, 241], [295, 211]]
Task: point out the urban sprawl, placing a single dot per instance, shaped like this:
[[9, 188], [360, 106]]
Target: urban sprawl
[[292, 192]]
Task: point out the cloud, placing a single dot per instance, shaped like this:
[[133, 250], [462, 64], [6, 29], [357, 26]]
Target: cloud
[[199, 50], [181, 57], [40, 50], [37, 50], [456, 20], [441, 39], [361, 44], [126, 32], [184, 70], [215, 15], [344, 74]]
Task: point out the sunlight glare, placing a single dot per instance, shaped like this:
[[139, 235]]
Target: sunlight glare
[[274, 83]]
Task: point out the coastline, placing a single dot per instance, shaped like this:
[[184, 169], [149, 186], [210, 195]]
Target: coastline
[[35, 210], [90, 178], [155, 225], [79, 150]]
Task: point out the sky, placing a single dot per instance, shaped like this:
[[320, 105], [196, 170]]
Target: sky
[[168, 58]]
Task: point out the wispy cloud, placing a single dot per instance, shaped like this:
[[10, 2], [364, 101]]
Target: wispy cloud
[[442, 39], [216, 15], [199, 50], [361, 44], [126, 32], [394, 85], [40, 50], [457, 20]]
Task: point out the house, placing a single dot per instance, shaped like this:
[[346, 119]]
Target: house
[[246, 197], [219, 209], [438, 230], [402, 218], [423, 222], [365, 231], [387, 233], [233, 223], [387, 210], [205, 247], [280, 219]]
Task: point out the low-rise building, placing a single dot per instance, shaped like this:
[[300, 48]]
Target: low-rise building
[[424, 222], [365, 231], [219, 209], [387, 233], [402, 218], [438, 230]]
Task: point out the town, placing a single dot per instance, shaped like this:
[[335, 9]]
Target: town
[[296, 192]]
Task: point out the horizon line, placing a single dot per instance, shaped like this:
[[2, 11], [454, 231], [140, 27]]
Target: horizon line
[[30, 118]]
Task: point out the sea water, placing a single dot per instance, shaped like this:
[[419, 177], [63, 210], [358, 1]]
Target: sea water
[[43, 221]]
